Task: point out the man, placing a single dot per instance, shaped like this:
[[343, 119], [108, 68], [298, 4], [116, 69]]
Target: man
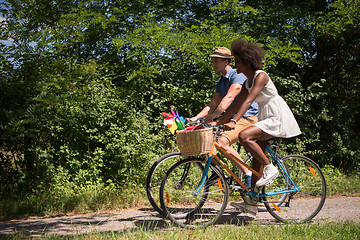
[[227, 89]]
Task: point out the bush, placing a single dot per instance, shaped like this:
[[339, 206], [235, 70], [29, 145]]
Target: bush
[[79, 131]]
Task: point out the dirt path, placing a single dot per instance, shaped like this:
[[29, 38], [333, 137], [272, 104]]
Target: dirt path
[[335, 209]]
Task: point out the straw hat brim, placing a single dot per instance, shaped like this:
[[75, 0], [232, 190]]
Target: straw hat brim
[[221, 55]]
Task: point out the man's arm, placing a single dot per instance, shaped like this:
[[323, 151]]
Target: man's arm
[[210, 107], [234, 108], [233, 91]]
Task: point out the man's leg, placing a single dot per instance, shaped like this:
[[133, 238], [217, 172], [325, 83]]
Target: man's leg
[[225, 143], [230, 137]]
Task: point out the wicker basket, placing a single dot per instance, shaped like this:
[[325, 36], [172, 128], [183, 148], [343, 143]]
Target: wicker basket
[[195, 142]]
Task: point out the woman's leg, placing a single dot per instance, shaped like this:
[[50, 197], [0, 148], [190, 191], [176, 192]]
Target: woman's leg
[[250, 138], [256, 165]]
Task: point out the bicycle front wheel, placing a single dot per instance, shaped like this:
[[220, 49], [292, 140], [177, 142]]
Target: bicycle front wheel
[[302, 205], [156, 174], [186, 207]]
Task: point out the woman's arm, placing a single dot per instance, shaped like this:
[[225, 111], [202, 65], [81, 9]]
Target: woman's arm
[[259, 82], [210, 107]]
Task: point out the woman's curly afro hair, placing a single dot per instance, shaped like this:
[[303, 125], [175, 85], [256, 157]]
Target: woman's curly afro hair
[[248, 52]]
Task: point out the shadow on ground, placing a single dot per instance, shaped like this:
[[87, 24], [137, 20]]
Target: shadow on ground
[[144, 219]]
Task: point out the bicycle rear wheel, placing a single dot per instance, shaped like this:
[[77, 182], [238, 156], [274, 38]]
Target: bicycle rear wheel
[[156, 174], [305, 203], [182, 205]]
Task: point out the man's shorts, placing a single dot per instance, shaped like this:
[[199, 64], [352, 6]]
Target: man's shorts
[[243, 123]]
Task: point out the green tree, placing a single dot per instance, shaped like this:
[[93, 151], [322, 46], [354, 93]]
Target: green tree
[[337, 65]]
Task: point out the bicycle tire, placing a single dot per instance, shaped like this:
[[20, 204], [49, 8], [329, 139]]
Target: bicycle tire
[[182, 206], [303, 205], [156, 174]]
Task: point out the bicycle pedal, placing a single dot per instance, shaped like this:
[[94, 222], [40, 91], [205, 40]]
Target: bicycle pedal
[[238, 206], [236, 188], [253, 210], [245, 208]]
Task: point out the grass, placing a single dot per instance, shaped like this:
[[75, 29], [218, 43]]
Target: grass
[[88, 200], [251, 231], [328, 231], [341, 184]]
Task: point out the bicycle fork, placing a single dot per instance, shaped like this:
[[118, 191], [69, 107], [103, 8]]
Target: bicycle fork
[[204, 176]]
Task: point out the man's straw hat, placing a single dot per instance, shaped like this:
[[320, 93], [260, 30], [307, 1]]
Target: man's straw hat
[[222, 52]]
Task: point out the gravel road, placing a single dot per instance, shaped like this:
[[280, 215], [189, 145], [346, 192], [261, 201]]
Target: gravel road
[[335, 209]]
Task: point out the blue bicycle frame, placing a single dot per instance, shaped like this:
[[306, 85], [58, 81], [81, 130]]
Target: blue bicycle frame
[[252, 194]]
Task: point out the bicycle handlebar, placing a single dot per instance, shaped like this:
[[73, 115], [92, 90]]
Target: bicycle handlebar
[[218, 130], [194, 123]]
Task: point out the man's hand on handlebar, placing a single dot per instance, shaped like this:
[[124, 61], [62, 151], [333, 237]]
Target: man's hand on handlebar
[[229, 126], [213, 123], [193, 119], [209, 118]]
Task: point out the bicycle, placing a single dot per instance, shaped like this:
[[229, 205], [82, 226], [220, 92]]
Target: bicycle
[[162, 164], [197, 196]]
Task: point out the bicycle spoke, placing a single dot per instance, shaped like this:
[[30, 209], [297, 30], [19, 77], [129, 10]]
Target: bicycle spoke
[[182, 205]]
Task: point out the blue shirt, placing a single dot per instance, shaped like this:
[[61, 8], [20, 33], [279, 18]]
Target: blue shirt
[[224, 83]]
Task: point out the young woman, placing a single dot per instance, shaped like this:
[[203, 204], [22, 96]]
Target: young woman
[[275, 118]]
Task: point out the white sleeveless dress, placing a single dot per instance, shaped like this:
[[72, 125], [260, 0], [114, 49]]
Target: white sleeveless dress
[[275, 116]]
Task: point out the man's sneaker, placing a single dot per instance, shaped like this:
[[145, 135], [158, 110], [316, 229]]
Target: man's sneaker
[[247, 180], [270, 172], [245, 208]]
